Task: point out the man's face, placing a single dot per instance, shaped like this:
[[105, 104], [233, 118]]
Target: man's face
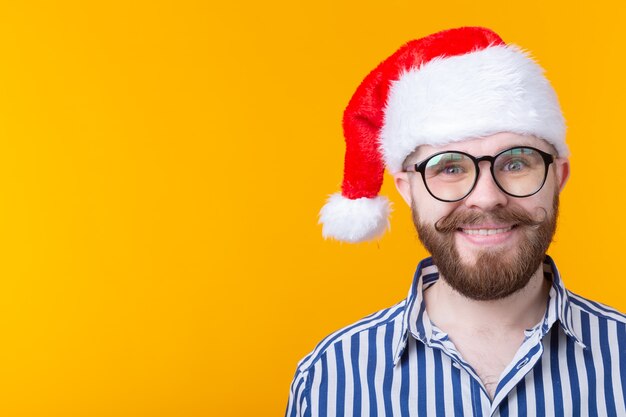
[[488, 245]]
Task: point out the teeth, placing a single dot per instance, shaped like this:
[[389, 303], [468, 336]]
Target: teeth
[[485, 232]]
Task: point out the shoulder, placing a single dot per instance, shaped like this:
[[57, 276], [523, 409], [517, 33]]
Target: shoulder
[[595, 310], [391, 316], [598, 326]]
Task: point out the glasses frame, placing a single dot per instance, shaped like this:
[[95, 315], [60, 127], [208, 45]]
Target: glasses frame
[[421, 168]]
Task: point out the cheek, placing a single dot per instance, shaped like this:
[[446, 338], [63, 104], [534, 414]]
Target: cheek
[[538, 205], [431, 210], [544, 198], [428, 208], [552, 185]]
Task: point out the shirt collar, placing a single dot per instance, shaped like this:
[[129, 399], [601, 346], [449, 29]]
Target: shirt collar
[[416, 323]]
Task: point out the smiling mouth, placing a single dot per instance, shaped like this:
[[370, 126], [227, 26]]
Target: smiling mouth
[[486, 231]]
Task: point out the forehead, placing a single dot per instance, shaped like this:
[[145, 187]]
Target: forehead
[[489, 145]]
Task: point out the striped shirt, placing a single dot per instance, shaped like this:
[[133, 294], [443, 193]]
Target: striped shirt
[[397, 363]]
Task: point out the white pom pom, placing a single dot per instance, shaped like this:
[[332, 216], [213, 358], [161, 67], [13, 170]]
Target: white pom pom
[[355, 220]]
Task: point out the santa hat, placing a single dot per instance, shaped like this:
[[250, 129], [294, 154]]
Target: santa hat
[[447, 87]]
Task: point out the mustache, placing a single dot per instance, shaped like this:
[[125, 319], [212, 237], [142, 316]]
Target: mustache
[[515, 215]]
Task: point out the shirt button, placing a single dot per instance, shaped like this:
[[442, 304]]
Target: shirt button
[[456, 365], [522, 363]]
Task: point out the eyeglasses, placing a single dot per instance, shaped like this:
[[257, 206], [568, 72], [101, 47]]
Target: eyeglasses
[[452, 175]]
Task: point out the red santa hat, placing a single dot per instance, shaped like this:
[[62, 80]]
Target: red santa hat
[[447, 87]]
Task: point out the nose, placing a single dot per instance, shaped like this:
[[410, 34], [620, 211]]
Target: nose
[[486, 195]]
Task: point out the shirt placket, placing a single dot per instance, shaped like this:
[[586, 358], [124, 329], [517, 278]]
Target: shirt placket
[[525, 359], [440, 340]]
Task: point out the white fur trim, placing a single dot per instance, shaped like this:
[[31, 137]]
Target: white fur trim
[[498, 89], [355, 220]]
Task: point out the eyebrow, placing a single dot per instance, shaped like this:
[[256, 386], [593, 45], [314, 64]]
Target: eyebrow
[[521, 143]]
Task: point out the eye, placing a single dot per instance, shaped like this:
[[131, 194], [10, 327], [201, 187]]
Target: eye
[[514, 165], [450, 166], [452, 170]]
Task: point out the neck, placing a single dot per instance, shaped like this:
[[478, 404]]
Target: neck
[[522, 310]]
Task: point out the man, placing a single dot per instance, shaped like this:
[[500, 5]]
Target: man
[[473, 134]]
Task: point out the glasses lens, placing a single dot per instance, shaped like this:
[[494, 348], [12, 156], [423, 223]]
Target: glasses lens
[[520, 171], [450, 176]]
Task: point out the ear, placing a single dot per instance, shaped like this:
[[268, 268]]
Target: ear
[[403, 185], [561, 166]]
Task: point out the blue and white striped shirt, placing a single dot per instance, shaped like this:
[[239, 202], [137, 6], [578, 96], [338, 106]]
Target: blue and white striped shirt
[[396, 363]]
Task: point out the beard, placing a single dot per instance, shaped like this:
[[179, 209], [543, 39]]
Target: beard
[[495, 274]]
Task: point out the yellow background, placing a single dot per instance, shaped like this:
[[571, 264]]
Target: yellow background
[[162, 166]]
